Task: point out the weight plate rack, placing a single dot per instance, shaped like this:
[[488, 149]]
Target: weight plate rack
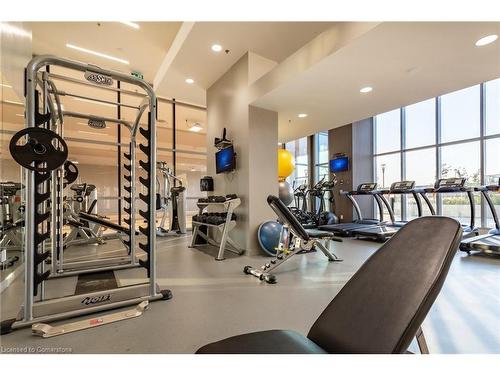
[[147, 182], [129, 190], [42, 196]]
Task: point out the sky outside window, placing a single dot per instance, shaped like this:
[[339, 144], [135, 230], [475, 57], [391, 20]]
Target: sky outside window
[[388, 130], [460, 114], [492, 102], [421, 124]]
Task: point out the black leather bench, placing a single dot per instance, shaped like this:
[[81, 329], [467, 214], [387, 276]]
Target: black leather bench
[[300, 241], [381, 307]]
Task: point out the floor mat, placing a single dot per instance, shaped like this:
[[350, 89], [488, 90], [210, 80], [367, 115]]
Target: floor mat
[[95, 282]]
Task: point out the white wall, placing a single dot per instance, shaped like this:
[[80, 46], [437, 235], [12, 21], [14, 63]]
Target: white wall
[[15, 53], [255, 135]]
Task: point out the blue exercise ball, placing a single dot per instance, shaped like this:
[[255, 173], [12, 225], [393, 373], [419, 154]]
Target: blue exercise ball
[[268, 235]]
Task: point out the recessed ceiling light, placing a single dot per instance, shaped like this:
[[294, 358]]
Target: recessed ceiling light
[[95, 53], [486, 40], [302, 115], [189, 80], [193, 170], [216, 47], [196, 127], [19, 115], [364, 90], [131, 24]]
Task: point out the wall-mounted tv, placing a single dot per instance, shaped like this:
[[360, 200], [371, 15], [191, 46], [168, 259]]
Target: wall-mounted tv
[[339, 164], [225, 160]]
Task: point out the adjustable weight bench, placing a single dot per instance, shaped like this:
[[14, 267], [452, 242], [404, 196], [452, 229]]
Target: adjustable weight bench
[[381, 307], [294, 239]]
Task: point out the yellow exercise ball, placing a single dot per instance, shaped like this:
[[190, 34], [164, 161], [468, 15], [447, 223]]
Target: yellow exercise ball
[[286, 164]]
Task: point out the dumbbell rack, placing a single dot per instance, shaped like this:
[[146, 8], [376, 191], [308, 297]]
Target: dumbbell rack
[[224, 228]]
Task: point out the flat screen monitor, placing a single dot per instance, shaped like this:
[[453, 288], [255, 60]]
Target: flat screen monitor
[[225, 160], [340, 164]]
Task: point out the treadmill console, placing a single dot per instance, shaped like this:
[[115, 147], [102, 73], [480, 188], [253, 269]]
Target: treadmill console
[[450, 183], [402, 186], [370, 186]]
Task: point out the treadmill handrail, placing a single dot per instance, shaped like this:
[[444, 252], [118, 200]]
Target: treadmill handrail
[[463, 189], [387, 206], [485, 192], [423, 194], [378, 199]]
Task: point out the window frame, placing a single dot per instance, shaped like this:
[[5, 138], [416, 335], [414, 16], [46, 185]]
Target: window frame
[[437, 146]]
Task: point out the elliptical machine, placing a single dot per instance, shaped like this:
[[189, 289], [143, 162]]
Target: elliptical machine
[[171, 200], [301, 211], [318, 192]]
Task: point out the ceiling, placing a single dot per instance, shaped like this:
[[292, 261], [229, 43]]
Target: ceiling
[[404, 63], [195, 59], [144, 48]]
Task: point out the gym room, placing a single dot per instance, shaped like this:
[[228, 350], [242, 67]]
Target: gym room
[[204, 180]]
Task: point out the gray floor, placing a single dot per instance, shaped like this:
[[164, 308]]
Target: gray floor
[[213, 300]]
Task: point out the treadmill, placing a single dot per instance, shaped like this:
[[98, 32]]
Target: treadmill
[[457, 185], [487, 243], [383, 232], [344, 229]]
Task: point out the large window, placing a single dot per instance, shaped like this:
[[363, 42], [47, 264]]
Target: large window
[[461, 160], [492, 104], [388, 131], [443, 137], [421, 168], [420, 124], [492, 174], [388, 169], [460, 114], [299, 150], [321, 168]]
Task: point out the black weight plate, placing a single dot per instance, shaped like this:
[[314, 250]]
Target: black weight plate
[[38, 149], [70, 172]]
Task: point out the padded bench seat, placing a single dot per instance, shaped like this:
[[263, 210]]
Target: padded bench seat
[[316, 233], [264, 342]]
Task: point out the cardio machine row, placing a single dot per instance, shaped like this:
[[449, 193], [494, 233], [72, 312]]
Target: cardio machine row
[[379, 229]]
